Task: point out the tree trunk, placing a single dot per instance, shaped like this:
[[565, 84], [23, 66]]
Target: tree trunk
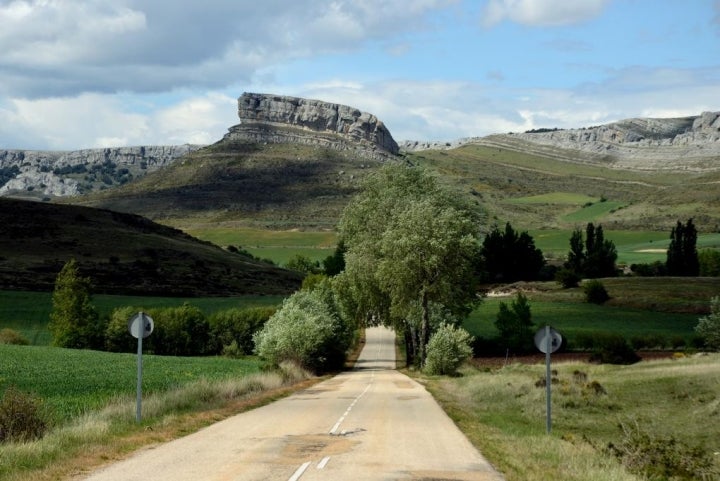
[[424, 328]]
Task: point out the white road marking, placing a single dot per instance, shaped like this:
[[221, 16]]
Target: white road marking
[[342, 418], [299, 472], [323, 463]]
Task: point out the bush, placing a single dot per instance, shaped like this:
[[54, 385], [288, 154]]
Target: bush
[[180, 331], [613, 349], [232, 330], [708, 327], [306, 330], [117, 337], [658, 458], [20, 417], [595, 292], [447, 349], [11, 336], [567, 278]]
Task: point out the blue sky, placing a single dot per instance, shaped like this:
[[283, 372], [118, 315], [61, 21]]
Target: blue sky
[[88, 73]]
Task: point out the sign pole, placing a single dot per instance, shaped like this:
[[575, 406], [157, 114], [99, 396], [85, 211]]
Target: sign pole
[[138, 408], [548, 377]]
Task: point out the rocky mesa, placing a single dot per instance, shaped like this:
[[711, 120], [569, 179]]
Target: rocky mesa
[[278, 119]]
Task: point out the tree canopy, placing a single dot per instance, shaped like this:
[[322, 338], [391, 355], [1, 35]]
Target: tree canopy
[[682, 255], [410, 241], [509, 256], [595, 257]]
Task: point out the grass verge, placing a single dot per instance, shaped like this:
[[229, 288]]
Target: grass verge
[[112, 433], [669, 402]]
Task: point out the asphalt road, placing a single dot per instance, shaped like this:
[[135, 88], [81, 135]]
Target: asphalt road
[[372, 423]]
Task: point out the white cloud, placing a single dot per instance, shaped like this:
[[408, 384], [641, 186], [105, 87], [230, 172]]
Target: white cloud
[[541, 13], [66, 47]]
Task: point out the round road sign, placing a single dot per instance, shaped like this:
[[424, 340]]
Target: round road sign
[[541, 340], [141, 323]]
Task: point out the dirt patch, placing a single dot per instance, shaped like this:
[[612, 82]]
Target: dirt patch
[[299, 448]]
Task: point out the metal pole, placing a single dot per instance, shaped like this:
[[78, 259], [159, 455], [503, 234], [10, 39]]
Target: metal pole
[[138, 409], [548, 377]]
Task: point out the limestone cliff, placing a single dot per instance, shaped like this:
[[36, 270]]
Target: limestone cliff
[[275, 118]]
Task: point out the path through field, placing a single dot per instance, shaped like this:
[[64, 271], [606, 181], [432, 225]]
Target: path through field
[[372, 423]]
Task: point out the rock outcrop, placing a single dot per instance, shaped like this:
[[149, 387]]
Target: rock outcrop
[[671, 144], [275, 118], [62, 173]]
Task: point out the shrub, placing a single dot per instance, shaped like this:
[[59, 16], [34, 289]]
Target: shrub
[[658, 458], [447, 349], [20, 417], [708, 327], [180, 331], [117, 337], [11, 336], [567, 278], [232, 330], [595, 292], [613, 349], [306, 330]]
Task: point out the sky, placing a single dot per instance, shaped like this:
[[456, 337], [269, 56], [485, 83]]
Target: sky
[[105, 73]]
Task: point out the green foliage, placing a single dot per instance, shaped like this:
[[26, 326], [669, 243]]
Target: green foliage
[[410, 241], [232, 330], [654, 269], [306, 330], [613, 348], [74, 322], [596, 258], [509, 256], [595, 292], [682, 255], [21, 417], [709, 326], [659, 458], [303, 264], [515, 325], [335, 264], [11, 336], [447, 349], [709, 260], [179, 331], [567, 278]]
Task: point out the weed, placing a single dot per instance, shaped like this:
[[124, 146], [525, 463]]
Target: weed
[[20, 416]]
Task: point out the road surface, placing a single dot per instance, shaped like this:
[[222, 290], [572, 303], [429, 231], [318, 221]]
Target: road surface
[[372, 423]]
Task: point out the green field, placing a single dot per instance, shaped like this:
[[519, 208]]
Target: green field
[[29, 312], [71, 382]]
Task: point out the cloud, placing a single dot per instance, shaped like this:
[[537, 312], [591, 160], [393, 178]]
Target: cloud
[[541, 13], [100, 120], [66, 47]]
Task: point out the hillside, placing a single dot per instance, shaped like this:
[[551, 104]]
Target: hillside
[[123, 254]]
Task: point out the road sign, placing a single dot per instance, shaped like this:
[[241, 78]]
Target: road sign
[[541, 340], [141, 322]]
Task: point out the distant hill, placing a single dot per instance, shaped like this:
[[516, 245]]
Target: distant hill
[[123, 254]]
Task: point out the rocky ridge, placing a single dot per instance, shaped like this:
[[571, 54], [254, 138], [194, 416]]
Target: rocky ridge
[[278, 119], [668, 144], [34, 173]]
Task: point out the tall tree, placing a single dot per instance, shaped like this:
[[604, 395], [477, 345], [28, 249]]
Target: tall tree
[[682, 255], [515, 324], [508, 256], [410, 242], [596, 258], [74, 322]]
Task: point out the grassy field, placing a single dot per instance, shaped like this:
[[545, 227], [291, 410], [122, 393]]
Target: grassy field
[[72, 382], [29, 312], [654, 413]]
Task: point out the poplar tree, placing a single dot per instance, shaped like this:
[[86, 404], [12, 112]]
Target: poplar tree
[[74, 322], [682, 255]]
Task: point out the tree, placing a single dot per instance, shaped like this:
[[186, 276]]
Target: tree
[[709, 326], [447, 349], [303, 264], [515, 324], [596, 258], [335, 264], [410, 241], [682, 256], [306, 330], [74, 322], [508, 256]]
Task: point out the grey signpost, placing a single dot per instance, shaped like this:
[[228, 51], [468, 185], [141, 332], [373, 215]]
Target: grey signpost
[[548, 340], [140, 326]]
